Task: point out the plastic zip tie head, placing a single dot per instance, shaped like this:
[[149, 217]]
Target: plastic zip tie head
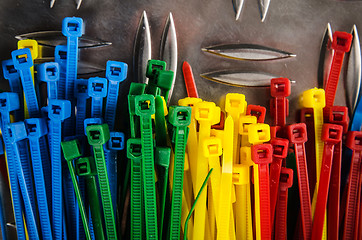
[[257, 111], [91, 121], [332, 133], [280, 87], [245, 122], [354, 140], [235, 102], [9, 70], [48, 72], [144, 105], [81, 88], [22, 59], [97, 87], [17, 131], [116, 71], [32, 45], [297, 133], [9, 102], [72, 27], [36, 127], [134, 148], [212, 147], [71, 150], [179, 116], [262, 153], [60, 54], [280, 147], [313, 98], [153, 66], [116, 141], [97, 134], [85, 167], [259, 133], [286, 178], [163, 80], [205, 112], [337, 115], [59, 109], [341, 41]]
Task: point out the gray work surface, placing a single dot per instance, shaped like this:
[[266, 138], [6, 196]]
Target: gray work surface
[[295, 26]]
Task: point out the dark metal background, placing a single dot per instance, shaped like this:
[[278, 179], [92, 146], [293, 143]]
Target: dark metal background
[[296, 26]]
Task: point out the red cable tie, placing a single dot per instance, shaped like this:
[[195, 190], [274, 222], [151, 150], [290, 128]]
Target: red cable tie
[[286, 181], [280, 151], [354, 142], [335, 115], [358, 217], [279, 105], [331, 135], [261, 154], [307, 117], [257, 111], [341, 44], [297, 134], [189, 80]]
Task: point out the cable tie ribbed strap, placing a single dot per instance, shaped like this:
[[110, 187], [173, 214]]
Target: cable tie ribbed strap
[[97, 136], [36, 129], [341, 44], [58, 111], [49, 72], [23, 62], [297, 134], [354, 142], [331, 135], [285, 182], [279, 89], [116, 72]]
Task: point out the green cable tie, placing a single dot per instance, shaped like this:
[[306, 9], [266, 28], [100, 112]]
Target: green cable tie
[[180, 118], [71, 152], [97, 136], [134, 153], [85, 167], [145, 108]]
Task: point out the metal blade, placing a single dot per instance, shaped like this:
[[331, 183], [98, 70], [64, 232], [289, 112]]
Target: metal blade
[[249, 52], [263, 7], [239, 78], [168, 50], [325, 57], [78, 3], [238, 6], [353, 75], [52, 3], [55, 38], [142, 50], [84, 68]]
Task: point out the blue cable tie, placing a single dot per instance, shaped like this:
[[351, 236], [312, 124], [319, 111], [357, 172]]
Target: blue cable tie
[[58, 111], [91, 121], [60, 56], [116, 72], [72, 28], [17, 132], [114, 144], [81, 94], [36, 129], [97, 90], [10, 102], [13, 76], [23, 62], [49, 72]]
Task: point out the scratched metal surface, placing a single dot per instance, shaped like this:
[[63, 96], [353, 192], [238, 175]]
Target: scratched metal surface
[[291, 25]]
